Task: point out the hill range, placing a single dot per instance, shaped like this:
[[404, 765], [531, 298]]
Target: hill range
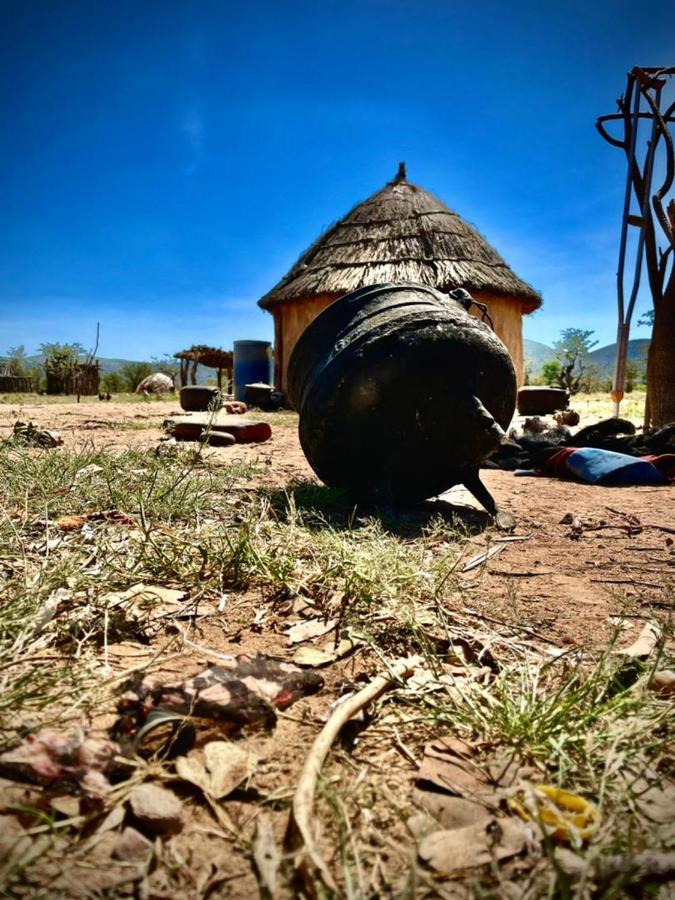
[[536, 354]]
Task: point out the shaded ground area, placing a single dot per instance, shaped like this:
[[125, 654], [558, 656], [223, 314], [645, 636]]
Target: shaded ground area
[[255, 548]]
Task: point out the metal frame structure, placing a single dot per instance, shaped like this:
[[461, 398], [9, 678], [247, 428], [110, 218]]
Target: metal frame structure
[[644, 87]]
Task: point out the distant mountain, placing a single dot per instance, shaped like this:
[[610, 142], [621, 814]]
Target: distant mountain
[[603, 358], [536, 354]]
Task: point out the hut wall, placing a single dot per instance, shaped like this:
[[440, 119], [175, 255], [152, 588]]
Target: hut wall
[[507, 317], [290, 320]]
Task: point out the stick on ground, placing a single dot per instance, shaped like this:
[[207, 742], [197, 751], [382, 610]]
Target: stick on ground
[[299, 836]]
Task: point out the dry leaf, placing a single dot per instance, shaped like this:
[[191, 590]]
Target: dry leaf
[[72, 523], [451, 812], [217, 769], [447, 767], [449, 851], [189, 768], [303, 631], [229, 765], [312, 657], [143, 601]]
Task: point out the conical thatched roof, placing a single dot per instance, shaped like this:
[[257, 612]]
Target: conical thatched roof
[[402, 233]]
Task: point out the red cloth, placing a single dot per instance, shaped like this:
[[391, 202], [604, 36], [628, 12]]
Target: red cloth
[[665, 463], [556, 465]]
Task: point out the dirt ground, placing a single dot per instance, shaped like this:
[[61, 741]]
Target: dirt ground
[[561, 585], [564, 583]]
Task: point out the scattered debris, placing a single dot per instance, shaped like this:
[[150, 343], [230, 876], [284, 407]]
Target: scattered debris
[[314, 657], [311, 628], [132, 846], [50, 757], [448, 766], [147, 607], [156, 808], [30, 435], [74, 522], [50, 608], [266, 855], [647, 867], [88, 471], [224, 698], [533, 448]]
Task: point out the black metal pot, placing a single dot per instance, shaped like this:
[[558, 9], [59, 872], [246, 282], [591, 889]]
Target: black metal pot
[[401, 393]]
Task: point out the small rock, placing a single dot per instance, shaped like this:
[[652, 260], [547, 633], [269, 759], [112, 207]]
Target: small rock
[[567, 519], [132, 846], [67, 806], [663, 683], [156, 808]]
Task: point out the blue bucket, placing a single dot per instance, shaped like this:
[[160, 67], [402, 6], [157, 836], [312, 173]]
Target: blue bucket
[[252, 364]]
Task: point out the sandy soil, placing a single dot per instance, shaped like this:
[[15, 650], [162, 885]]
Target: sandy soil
[[565, 584], [561, 585]]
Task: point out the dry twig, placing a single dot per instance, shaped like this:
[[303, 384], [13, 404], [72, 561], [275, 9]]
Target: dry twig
[[299, 836]]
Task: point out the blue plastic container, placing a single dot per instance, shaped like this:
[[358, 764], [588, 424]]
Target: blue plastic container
[[252, 364]]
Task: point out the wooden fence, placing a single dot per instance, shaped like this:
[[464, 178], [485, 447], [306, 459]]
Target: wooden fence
[[16, 384], [80, 379]]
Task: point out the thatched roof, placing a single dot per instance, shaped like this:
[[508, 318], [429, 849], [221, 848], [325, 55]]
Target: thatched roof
[[400, 234], [211, 357]]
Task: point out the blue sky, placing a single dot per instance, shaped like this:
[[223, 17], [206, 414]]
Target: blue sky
[[164, 163]]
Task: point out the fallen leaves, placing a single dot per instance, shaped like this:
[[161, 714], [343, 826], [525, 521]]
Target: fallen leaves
[[314, 657], [74, 522], [218, 769], [311, 628], [451, 850], [463, 792]]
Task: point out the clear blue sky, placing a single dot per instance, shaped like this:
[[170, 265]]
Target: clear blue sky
[[162, 164]]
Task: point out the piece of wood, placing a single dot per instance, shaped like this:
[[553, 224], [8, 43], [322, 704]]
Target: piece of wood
[[299, 835], [482, 557], [244, 431], [632, 581]]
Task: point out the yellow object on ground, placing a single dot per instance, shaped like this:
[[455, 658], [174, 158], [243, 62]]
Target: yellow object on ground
[[566, 817]]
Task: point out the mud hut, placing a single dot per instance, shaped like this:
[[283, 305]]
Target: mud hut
[[401, 233]]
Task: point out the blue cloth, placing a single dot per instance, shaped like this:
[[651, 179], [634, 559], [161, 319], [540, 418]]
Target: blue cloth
[[606, 467]]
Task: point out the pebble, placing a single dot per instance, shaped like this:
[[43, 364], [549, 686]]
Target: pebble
[[663, 683], [132, 846], [157, 809]]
